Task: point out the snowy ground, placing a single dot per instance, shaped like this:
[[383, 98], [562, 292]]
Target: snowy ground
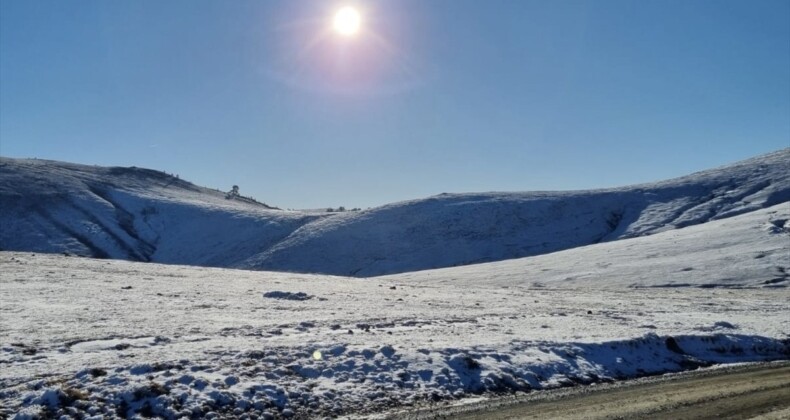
[[83, 336]]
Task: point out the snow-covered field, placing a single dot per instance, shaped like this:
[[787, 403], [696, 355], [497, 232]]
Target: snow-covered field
[[101, 337], [144, 215], [518, 291]]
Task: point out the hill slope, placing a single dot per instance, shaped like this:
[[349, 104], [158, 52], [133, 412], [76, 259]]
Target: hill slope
[[748, 250], [131, 213], [144, 215], [460, 229]]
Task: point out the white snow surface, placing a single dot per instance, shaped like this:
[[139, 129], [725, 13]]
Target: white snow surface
[[85, 337], [144, 215]]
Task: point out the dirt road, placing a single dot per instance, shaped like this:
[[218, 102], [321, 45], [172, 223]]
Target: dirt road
[[741, 392]]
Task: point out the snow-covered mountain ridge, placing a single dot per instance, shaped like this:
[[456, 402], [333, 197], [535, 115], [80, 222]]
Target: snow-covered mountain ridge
[[136, 214]]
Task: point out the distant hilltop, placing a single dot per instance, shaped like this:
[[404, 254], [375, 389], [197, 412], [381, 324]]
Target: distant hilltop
[[146, 215]]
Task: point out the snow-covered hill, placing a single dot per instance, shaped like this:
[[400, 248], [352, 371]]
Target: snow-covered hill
[[145, 215], [748, 250], [131, 213]]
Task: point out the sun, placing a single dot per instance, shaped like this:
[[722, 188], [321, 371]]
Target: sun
[[347, 21]]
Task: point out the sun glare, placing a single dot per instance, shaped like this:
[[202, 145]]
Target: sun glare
[[347, 21]]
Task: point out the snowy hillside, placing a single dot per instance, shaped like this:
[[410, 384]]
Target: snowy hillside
[[131, 213], [146, 215], [749, 250], [104, 338], [459, 229]]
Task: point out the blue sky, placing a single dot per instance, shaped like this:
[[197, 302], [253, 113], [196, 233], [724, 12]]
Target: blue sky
[[431, 96]]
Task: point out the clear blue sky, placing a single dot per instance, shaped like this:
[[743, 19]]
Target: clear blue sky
[[431, 96]]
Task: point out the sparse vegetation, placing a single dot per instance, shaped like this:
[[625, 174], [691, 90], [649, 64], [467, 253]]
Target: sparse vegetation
[[341, 209], [70, 395]]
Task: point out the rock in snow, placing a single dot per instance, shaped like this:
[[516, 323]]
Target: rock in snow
[[287, 295]]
